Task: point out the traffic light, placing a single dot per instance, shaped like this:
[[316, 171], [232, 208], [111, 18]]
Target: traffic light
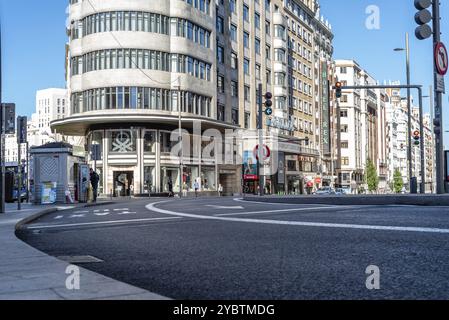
[[338, 86], [268, 103], [416, 137], [422, 18], [21, 129], [436, 126], [10, 117]]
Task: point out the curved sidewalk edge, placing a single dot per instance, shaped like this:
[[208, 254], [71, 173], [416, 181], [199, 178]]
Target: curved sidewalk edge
[[29, 274], [411, 200]]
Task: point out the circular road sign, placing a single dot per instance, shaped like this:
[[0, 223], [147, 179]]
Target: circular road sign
[[266, 152], [441, 58]]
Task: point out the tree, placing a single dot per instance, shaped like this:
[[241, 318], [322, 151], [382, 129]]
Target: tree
[[398, 182], [372, 179]]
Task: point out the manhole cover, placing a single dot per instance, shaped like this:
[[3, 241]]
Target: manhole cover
[[80, 259]]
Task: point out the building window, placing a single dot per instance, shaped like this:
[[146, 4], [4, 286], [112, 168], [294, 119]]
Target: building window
[[233, 6], [245, 13], [220, 25], [149, 142], [234, 60], [233, 31], [247, 120], [257, 46], [247, 93], [220, 54], [220, 84], [246, 66], [235, 117], [257, 20], [234, 89], [246, 40], [221, 112]]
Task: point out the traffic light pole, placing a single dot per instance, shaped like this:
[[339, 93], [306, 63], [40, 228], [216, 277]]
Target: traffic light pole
[[422, 146], [261, 147], [439, 157]]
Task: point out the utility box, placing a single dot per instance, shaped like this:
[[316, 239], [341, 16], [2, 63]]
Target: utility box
[[55, 173]]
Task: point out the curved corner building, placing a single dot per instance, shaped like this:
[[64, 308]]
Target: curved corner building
[[132, 64]]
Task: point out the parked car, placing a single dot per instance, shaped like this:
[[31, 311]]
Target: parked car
[[325, 191], [342, 191], [23, 194]]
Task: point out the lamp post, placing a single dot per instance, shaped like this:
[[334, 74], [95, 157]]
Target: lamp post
[[409, 108]]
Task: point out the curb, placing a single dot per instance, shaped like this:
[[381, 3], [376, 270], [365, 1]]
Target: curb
[[428, 200], [19, 225]]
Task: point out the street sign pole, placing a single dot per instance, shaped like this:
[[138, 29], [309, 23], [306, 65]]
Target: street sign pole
[[438, 103]]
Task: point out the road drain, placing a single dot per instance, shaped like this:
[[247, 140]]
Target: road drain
[[80, 259]]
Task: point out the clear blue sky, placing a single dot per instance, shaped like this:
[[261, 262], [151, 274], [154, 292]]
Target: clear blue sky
[[34, 39]]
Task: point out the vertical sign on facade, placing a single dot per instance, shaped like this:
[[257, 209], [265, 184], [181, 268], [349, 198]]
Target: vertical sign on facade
[[325, 110]]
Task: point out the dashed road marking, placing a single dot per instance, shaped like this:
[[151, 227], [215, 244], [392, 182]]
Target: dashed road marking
[[98, 223], [225, 207], [77, 216]]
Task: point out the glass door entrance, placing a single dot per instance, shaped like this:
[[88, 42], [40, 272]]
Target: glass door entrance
[[123, 183]]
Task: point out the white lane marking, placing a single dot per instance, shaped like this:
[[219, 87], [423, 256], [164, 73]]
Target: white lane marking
[[225, 207], [80, 211], [122, 209], [259, 202], [125, 212], [100, 214], [277, 211], [98, 223], [77, 216], [152, 207], [58, 217]]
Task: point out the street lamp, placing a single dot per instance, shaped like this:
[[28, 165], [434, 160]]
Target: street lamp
[[409, 108]]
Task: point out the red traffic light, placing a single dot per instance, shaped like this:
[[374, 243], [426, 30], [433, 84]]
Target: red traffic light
[[416, 133], [338, 85]]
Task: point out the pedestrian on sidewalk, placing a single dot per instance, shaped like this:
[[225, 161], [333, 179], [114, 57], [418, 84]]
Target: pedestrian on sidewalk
[[196, 186], [170, 188], [94, 179], [220, 190]]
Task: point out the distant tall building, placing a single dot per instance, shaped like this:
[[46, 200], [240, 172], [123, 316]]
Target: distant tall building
[[397, 141], [51, 104], [362, 128]]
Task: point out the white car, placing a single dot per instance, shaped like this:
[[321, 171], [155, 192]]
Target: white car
[[325, 191]]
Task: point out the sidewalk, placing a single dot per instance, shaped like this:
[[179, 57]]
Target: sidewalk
[[29, 274]]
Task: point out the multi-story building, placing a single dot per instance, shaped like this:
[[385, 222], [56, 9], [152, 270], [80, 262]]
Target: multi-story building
[[135, 68], [398, 138], [362, 128], [51, 104]]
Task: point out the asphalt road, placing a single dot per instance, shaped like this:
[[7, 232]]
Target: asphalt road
[[223, 248]]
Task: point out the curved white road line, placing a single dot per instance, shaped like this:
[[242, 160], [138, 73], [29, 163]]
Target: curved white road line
[[152, 207]]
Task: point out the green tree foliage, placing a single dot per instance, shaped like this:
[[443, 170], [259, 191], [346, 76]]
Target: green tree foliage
[[398, 183], [372, 179]]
